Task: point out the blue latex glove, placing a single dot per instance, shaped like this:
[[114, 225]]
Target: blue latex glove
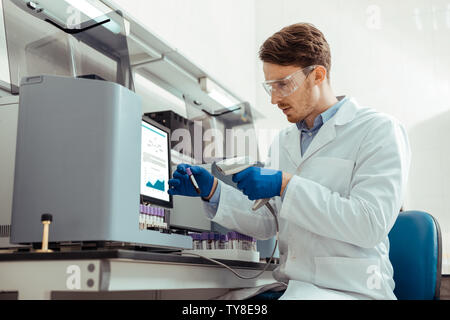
[[181, 184], [259, 183]]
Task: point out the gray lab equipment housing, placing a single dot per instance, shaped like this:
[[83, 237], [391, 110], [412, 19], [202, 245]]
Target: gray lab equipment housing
[[78, 158]]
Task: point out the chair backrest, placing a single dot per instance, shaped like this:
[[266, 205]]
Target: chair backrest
[[416, 256]]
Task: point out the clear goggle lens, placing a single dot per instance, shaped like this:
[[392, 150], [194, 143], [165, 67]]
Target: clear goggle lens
[[285, 87]]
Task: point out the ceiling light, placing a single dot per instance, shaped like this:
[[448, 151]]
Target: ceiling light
[[217, 93]]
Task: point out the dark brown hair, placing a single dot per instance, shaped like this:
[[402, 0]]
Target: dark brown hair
[[300, 44]]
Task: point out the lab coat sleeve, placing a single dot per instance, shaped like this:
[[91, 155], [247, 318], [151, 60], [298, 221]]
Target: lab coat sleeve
[[365, 216], [235, 212]]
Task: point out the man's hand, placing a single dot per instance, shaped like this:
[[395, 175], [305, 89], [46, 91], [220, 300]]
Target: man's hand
[[259, 183], [182, 185]]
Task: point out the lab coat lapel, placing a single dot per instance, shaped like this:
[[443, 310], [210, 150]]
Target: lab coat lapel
[[327, 133], [293, 146]]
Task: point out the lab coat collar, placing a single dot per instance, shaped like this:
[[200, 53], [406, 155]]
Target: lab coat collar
[[347, 112], [324, 116], [326, 134]]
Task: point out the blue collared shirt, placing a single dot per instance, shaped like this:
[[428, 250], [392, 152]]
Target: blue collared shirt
[[306, 136]]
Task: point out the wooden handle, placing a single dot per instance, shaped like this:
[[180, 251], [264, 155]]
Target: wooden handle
[[45, 237]]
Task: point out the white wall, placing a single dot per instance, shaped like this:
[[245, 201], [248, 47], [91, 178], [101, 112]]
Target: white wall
[[389, 55], [394, 57]]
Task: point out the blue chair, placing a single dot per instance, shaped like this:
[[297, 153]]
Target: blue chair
[[416, 255]]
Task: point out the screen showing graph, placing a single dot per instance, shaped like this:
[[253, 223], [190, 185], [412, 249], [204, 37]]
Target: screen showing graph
[[154, 162]]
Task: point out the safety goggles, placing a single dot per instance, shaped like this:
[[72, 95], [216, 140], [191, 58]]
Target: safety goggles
[[286, 86]]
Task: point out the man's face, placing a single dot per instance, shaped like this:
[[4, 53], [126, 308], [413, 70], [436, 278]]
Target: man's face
[[301, 103]]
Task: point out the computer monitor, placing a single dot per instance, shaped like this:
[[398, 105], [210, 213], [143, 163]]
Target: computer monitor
[[155, 163]]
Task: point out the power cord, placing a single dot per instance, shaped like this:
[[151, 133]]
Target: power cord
[[272, 211]]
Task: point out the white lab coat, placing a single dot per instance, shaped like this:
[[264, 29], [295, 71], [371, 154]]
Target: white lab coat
[[338, 208]]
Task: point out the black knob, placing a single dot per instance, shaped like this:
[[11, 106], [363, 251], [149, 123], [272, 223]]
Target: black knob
[[47, 217]]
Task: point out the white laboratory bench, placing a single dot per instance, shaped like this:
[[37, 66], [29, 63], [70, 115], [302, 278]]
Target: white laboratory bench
[[120, 274]]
